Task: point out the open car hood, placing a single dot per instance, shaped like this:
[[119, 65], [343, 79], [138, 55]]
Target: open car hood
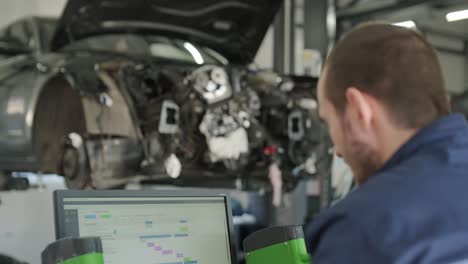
[[234, 28]]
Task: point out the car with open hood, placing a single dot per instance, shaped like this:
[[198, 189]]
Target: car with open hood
[[160, 91]]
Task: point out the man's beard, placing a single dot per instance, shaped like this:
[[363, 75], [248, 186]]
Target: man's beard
[[361, 157]]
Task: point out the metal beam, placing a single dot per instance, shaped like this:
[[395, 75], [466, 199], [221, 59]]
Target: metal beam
[[278, 56], [292, 38], [315, 25], [284, 39], [319, 33], [287, 35]]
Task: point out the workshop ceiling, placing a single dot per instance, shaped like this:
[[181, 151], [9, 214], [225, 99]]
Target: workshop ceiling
[[427, 14]]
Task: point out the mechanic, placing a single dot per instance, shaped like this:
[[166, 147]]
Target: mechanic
[[382, 95]]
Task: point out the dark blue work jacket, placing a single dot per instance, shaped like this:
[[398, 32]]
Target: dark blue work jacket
[[413, 210]]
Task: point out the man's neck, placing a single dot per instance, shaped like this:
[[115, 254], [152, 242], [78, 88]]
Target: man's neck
[[394, 139]]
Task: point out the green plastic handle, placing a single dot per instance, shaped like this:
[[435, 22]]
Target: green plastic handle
[[92, 258]]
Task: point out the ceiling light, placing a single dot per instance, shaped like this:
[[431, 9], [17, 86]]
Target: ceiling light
[[406, 24], [458, 15]]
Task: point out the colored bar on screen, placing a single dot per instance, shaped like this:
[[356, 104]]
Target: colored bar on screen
[[155, 236]]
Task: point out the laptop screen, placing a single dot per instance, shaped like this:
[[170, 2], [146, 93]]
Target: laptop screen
[[151, 230]]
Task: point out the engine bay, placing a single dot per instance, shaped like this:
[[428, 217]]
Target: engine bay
[[188, 125]]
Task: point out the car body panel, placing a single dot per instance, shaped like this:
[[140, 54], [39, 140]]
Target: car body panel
[[234, 28], [21, 85]]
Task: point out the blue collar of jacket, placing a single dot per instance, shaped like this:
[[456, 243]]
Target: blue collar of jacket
[[442, 128]]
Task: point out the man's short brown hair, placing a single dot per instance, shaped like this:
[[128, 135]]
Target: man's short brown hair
[[395, 65]]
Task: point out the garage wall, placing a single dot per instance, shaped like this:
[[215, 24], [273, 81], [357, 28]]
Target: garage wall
[[11, 10], [50, 7], [264, 58], [454, 65], [466, 70], [453, 68]]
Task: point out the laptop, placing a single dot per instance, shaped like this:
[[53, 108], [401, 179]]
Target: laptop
[[150, 227]]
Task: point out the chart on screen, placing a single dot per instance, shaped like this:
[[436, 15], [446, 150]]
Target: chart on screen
[[174, 233]]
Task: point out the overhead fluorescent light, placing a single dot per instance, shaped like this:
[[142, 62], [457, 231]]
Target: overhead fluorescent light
[[194, 52], [406, 24], [457, 15]]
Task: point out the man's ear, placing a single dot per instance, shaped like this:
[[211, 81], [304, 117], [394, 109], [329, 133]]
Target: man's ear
[[358, 103]]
